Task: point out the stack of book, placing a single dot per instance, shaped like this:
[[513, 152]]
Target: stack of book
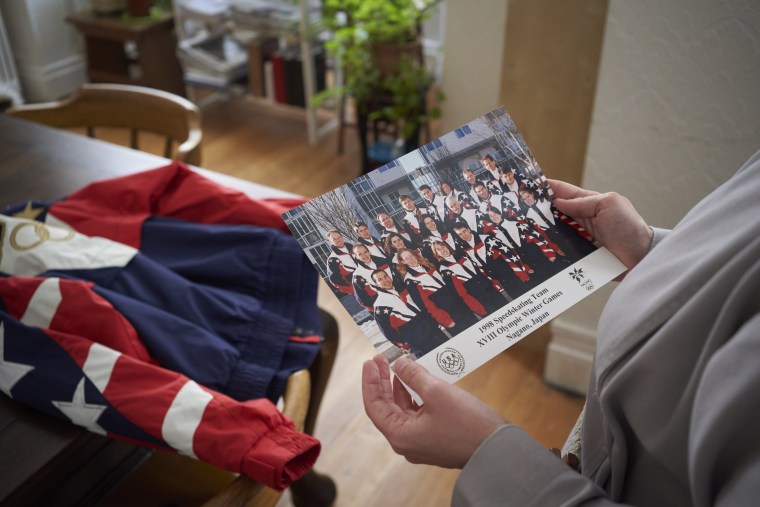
[[215, 61], [278, 75]]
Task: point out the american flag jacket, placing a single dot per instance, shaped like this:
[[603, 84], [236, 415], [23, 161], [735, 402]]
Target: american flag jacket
[[156, 309], [426, 282], [412, 221], [460, 271], [374, 246], [365, 290], [527, 230]]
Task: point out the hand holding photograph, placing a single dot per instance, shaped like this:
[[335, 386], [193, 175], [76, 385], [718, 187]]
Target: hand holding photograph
[[454, 252]]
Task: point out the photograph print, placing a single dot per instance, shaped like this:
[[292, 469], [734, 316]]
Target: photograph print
[[434, 242]]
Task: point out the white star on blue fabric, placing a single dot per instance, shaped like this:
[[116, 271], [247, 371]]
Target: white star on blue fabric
[[10, 373], [80, 412]]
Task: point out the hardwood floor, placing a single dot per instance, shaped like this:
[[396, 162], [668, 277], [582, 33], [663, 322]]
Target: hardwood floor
[[249, 141], [253, 141]]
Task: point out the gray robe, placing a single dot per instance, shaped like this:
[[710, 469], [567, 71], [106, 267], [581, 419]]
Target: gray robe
[[672, 415]]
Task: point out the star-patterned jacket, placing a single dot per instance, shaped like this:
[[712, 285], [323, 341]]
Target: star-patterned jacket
[[99, 333], [340, 268], [365, 290], [495, 257]]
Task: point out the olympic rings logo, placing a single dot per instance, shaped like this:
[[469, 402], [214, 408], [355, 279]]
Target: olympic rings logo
[[42, 233], [451, 361]]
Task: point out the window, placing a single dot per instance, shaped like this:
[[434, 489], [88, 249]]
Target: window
[[361, 185], [309, 238], [302, 226], [432, 145], [389, 165], [365, 194], [424, 176], [371, 204], [319, 253], [462, 131]]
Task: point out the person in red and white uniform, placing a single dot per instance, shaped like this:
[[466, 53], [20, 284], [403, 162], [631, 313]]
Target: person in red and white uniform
[[393, 244], [374, 245], [457, 212], [340, 263], [389, 226], [447, 192], [574, 241], [491, 167], [434, 230], [435, 203], [402, 321], [364, 288], [468, 280], [530, 241], [501, 263], [412, 217], [509, 184], [428, 287]]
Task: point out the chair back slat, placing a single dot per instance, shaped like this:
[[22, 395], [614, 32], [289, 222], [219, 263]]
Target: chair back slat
[[133, 139], [136, 108], [168, 147]]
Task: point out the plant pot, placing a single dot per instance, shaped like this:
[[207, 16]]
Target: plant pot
[[106, 7], [370, 138], [387, 55], [139, 8]]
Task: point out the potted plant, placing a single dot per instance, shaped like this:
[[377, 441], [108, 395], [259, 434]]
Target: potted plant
[[378, 46]]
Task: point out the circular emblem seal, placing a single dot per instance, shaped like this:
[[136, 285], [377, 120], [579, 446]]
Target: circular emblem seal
[[451, 361]]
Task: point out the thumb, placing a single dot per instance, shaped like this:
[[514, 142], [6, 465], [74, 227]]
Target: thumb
[[415, 376], [580, 207]]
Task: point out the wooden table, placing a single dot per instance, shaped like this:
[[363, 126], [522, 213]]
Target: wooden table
[[38, 162], [156, 64], [44, 461]]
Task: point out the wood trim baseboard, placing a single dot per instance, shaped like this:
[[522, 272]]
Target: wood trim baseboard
[[569, 356]]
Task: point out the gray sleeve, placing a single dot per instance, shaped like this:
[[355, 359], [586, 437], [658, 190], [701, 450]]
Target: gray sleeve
[[659, 235], [510, 468], [724, 443]]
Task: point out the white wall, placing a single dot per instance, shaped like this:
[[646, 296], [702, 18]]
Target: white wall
[[10, 86], [677, 112], [474, 54], [47, 50]]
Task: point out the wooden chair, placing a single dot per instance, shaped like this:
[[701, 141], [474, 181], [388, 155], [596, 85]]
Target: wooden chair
[[244, 491], [136, 108], [303, 395]]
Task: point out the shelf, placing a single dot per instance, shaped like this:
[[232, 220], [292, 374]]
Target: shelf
[[292, 26], [153, 39]]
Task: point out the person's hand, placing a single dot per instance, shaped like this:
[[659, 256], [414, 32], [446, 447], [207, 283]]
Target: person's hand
[[445, 431], [610, 218]]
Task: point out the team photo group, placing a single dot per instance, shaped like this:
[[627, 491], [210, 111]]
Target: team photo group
[[455, 252]]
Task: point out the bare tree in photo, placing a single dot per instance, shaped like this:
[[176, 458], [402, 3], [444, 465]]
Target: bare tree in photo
[[516, 147], [332, 211], [499, 121]]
